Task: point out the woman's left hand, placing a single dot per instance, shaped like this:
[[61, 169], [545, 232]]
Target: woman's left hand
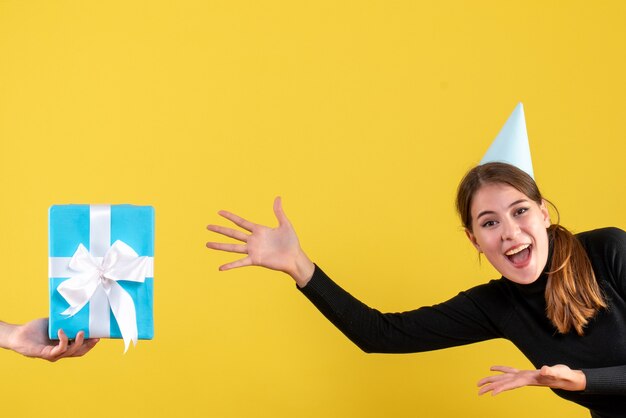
[[555, 377]]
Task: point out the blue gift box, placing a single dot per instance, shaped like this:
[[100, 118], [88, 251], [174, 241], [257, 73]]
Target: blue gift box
[[98, 228]]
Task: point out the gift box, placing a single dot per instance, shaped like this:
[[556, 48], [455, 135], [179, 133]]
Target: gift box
[[101, 277]]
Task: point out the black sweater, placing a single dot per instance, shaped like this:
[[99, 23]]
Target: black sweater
[[503, 309]]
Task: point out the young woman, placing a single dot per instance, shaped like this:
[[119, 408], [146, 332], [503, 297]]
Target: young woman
[[561, 300]]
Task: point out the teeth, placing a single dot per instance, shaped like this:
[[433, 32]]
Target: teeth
[[517, 250]]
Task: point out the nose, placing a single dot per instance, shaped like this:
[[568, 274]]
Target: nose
[[510, 229]]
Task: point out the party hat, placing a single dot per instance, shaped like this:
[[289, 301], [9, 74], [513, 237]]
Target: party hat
[[511, 144]]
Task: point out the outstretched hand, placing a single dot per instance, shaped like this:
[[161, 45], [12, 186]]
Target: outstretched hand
[[555, 377], [31, 340], [273, 248]]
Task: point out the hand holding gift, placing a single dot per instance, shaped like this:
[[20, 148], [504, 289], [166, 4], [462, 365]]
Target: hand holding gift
[[31, 340]]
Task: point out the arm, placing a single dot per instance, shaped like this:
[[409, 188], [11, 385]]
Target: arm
[[458, 321], [31, 340], [606, 248]]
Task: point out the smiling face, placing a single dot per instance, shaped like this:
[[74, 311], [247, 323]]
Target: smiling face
[[510, 229]]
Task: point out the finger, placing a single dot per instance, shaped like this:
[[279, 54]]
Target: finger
[[87, 345], [497, 388], [231, 248], [244, 262], [279, 212], [503, 369], [503, 387], [76, 345], [548, 371], [61, 347], [498, 377], [484, 389], [229, 232], [484, 381], [492, 379], [237, 220]]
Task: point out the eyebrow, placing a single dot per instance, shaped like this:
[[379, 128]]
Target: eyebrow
[[490, 212]]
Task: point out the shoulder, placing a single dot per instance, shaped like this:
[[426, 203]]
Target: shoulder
[[609, 231], [606, 248], [610, 238]]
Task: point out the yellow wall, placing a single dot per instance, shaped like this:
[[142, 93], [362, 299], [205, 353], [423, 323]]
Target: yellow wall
[[362, 115]]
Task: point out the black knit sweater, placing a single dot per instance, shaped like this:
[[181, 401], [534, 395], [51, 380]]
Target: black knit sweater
[[503, 309]]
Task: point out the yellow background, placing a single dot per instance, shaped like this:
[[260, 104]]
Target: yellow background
[[363, 116]]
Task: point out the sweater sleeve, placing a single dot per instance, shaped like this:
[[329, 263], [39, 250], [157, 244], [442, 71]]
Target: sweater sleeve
[[612, 252], [460, 320], [606, 380]]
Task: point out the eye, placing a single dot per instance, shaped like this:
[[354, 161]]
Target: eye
[[521, 211], [488, 224]]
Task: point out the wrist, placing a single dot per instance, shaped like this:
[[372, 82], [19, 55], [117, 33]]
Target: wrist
[[303, 269], [580, 381], [6, 333]]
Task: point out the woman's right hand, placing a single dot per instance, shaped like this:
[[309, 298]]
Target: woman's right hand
[[273, 248]]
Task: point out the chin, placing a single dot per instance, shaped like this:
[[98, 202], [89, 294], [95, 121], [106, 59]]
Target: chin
[[523, 279]]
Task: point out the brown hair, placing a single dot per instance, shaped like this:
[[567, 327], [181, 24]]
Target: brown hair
[[573, 295]]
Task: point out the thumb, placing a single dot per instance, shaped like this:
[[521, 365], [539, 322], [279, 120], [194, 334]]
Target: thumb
[[547, 371], [278, 211]]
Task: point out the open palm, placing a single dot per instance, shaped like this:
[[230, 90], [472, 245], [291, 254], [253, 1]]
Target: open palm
[[273, 248]]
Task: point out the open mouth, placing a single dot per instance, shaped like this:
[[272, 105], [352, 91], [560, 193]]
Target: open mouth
[[519, 256]]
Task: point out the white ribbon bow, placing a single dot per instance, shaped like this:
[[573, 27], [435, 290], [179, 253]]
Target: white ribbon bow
[[120, 262]]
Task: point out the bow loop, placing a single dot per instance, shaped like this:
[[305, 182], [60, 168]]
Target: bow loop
[[121, 262], [82, 260]]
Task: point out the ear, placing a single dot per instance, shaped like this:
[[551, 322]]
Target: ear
[[545, 213], [472, 239]]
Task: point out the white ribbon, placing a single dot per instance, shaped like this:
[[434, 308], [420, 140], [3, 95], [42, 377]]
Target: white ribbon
[[92, 279]]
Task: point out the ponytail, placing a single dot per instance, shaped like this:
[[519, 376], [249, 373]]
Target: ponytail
[[573, 295]]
